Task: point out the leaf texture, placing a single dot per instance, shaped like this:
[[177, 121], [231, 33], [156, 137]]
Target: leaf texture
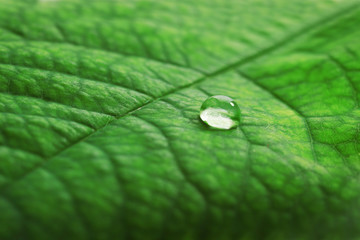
[[100, 132]]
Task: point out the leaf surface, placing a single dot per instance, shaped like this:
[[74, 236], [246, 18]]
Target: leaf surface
[[100, 132]]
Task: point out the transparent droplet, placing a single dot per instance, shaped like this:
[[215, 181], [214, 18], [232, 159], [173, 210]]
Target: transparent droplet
[[220, 112]]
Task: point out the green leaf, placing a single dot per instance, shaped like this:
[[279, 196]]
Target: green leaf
[[100, 136]]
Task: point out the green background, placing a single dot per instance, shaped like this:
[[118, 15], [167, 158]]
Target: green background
[[100, 136]]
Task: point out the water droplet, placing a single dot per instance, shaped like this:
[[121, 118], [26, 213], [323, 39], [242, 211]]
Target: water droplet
[[220, 112]]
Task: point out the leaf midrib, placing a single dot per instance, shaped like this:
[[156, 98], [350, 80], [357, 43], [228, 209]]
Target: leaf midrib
[[302, 31]]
